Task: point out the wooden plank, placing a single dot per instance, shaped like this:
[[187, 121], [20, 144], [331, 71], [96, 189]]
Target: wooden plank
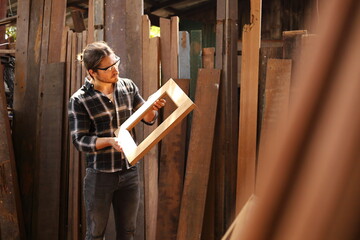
[[199, 156], [184, 55], [248, 107], [65, 141], [265, 54], [171, 177], [195, 58], [151, 162], [10, 204], [91, 22], [73, 170], [26, 93], [219, 207], [165, 27], [277, 95], [50, 152], [226, 143], [174, 47], [99, 22], [151, 72], [208, 59], [57, 25]]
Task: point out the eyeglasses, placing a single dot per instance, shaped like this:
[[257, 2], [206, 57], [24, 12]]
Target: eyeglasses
[[112, 66]]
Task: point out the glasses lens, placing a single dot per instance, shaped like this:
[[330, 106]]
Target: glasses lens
[[116, 65]]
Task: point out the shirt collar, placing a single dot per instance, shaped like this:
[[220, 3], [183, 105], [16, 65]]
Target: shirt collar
[[88, 84]]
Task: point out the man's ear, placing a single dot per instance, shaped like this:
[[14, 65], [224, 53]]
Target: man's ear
[[91, 72]]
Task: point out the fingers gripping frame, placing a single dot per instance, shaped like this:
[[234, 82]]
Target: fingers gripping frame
[[184, 106]]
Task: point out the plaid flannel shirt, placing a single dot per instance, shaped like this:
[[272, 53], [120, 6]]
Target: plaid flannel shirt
[[92, 114]]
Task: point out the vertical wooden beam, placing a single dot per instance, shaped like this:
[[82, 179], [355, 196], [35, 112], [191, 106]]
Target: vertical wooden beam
[[91, 28], [151, 72], [226, 130], [57, 25], [174, 47], [199, 156], [208, 228], [50, 153], [171, 177], [248, 107], [26, 93], [195, 59], [172, 157], [165, 30], [122, 31], [20, 86]]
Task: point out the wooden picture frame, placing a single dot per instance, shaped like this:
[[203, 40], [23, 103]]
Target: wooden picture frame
[[134, 153]]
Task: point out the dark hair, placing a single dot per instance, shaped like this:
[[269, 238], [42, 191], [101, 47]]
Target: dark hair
[[93, 53]]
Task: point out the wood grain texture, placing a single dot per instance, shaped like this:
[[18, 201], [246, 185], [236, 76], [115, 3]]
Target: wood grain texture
[[10, 205], [171, 177], [199, 156], [151, 81], [248, 107]]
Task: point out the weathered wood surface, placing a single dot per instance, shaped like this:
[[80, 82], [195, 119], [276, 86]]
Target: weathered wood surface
[[208, 58], [174, 47], [199, 156], [277, 96], [248, 107], [226, 130], [171, 177], [195, 59], [165, 33], [151, 76], [10, 205], [50, 153], [57, 25], [26, 93]]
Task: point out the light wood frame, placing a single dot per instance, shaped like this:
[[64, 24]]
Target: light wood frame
[[184, 105]]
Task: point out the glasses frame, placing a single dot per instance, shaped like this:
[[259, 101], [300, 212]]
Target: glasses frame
[[111, 66]]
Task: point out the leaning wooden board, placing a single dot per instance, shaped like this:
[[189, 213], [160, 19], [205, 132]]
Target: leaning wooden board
[[199, 155], [9, 189], [171, 176]]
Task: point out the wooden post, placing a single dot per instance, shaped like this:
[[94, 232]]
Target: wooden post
[[172, 162], [26, 92], [226, 130], [151, 75], [248, 107]]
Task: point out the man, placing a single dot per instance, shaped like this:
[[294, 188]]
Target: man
[[96, 110]]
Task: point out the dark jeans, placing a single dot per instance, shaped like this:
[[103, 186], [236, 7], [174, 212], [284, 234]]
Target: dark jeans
[[122, 190]]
